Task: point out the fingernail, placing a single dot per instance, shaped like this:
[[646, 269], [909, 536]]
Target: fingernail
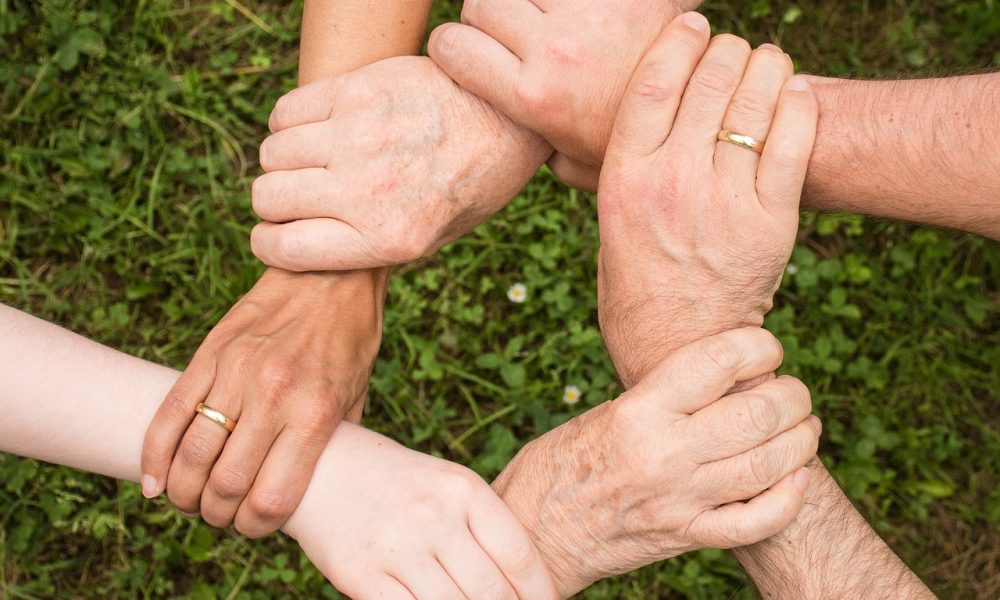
[[193, 515], [797, 84], [150, 487], [695, 21], [817, 424], [771, 47], [801, 479]]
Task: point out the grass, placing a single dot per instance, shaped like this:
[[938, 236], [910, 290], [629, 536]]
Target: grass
[[127, 145]]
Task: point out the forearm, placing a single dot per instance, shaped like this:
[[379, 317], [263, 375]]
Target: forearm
[[70, 401], [340, 36], [920, 150], [829, 552]]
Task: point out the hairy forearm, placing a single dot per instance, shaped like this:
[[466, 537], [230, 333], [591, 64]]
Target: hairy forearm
[[919, 150], [829, 552]]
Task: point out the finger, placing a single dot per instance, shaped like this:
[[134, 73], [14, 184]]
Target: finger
[[171, 420], [501, 535], [701, 372], [739, 422], [234, 472], [746, 475], [650, 103], [708, 96], [481, 65], [310, 103], [473, 570], [298, 147], [513, 23], [282, 196], [752, 108], [201, 446], [282, 481], [424, 577], [315, 245], [741, 524], [574, 173], [782, 169]]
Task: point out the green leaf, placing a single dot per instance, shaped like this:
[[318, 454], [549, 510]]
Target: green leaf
[[513, 375]]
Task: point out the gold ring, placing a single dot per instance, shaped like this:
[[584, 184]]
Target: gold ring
[[742, 140], [216, 417]]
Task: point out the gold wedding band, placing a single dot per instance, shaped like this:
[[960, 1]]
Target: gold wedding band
[[741, 140], [216, 417]]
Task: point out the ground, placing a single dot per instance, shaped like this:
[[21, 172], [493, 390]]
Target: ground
[[127, 147]]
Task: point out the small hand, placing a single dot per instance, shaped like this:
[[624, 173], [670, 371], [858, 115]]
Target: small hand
[[672, 465], [287, 363], [559, 68], [381, 521], [695, 231], [383, 166]]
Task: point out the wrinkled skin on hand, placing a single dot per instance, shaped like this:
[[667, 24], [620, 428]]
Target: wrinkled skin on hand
[[696, 232], [669, 467], [382, 166], [557, 67]]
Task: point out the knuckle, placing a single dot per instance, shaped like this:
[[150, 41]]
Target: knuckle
[[722, 354], [538, 98], [753, 103], [653, 83], [763, 415], [178, 407], [519, 557], [230, 484], [761, 467], [271, 505], [713, 78], [565, 50], [197, 450]]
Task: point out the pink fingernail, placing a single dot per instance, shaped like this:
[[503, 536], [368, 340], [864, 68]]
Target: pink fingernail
[[801, 479], [150, 487], [797, 84], [695, 21]]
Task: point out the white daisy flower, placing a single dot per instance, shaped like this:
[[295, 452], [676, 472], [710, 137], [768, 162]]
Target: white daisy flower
[[571, 395], [517, 293], [792, 269]]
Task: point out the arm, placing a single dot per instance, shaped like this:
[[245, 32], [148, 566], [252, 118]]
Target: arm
[[399, 515], [309, 341], [828, 552], [377, 519], [921, 150], [683, 255]]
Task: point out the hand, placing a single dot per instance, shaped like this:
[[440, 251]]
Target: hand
[[696, 232], [288, 361], [383, 166], [558, 68], [381, 521], [670, 466]]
